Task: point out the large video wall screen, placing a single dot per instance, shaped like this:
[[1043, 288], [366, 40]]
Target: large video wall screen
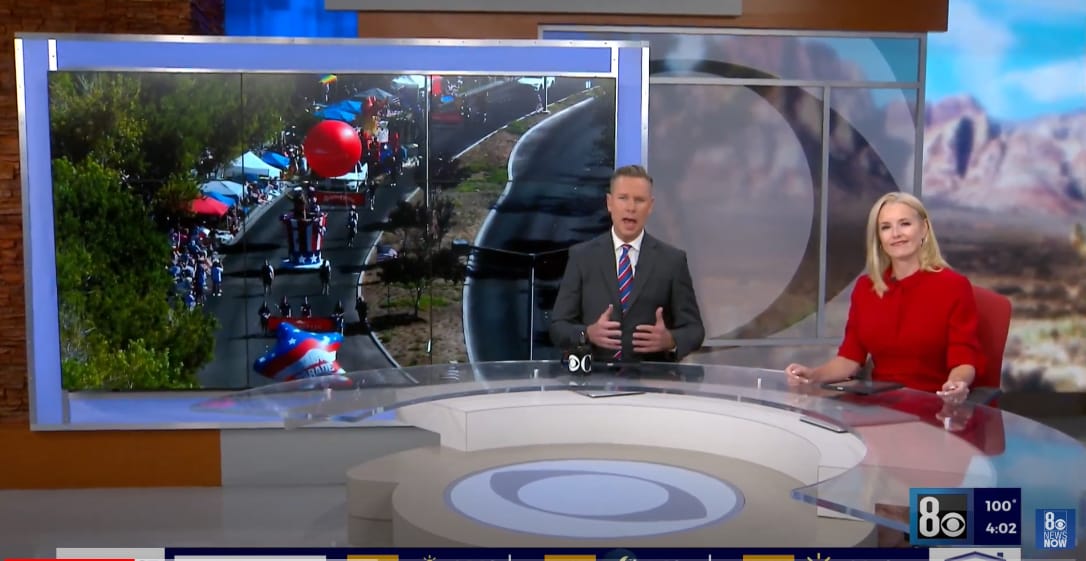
[[388, 202]]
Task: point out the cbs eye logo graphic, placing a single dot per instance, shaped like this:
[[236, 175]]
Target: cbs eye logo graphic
[[578, 364]]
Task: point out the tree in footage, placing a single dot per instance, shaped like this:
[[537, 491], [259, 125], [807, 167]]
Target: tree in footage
[[164, 130], [130, 150], [449, 266], [118, 327], [421, 229], [411, 269], [404, 218], [97, 117], [441, 212]]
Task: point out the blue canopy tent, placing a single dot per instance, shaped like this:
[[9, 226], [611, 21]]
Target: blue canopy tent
[[334, 114], [224, 199], [348, 105], [276, 159]]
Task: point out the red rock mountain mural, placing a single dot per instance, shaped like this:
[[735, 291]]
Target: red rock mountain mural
[[1034, 169], [1008, 201]]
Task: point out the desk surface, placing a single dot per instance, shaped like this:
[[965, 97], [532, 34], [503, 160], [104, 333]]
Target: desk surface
[[912, 437]]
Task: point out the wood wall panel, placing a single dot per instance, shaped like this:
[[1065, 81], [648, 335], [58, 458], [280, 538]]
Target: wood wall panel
[[819, 15], [70, 460], [79, 459]]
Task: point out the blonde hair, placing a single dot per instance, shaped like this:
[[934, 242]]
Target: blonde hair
[[931, 259]]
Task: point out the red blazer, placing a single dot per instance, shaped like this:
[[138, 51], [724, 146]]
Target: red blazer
[[921, 328]]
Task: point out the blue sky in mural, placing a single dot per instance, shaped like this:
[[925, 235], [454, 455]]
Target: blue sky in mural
[[1019, 59]]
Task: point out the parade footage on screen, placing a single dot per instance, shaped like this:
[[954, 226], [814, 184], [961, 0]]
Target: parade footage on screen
[[231, 230]]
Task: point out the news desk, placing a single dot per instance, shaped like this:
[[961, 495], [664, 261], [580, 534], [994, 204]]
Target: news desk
[[661, 455]]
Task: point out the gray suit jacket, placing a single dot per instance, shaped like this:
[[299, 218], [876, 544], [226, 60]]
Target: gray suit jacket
[[661, 279]]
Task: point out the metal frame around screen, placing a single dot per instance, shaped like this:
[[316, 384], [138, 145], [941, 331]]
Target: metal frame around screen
[[38, 54], [826, 86]]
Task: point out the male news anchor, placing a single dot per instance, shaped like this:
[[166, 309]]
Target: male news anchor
[[626, 293]]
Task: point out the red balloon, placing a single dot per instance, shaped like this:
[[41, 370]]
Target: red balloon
[[332, 148]]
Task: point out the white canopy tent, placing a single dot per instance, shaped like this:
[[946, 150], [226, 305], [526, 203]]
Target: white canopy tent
[[360, 173], [228, 188], [250, 165], [352, 180], [409, 81]]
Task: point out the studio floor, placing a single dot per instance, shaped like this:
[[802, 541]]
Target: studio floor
[[34, 523]]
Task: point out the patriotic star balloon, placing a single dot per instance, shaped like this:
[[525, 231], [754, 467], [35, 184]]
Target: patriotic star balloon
[[300, 354]]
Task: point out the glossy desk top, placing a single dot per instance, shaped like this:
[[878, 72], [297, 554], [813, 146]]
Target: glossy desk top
[[912, 438]]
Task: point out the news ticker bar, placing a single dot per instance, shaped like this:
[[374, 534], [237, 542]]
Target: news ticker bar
[[473, 554], [936, 554]]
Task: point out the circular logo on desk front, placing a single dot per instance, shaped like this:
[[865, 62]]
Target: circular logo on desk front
[[579, 364], [594, 498]]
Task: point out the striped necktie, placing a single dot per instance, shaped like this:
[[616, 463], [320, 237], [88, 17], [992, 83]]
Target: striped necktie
[[625, 283], [625, 278]]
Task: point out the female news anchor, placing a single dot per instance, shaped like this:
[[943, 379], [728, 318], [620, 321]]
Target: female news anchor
[[914, 316]]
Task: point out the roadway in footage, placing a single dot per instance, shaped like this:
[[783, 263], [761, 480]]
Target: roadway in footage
[[559, 177], [239, 341]]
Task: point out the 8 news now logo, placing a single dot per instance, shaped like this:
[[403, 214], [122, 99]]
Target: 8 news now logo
[[1055, 528]]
